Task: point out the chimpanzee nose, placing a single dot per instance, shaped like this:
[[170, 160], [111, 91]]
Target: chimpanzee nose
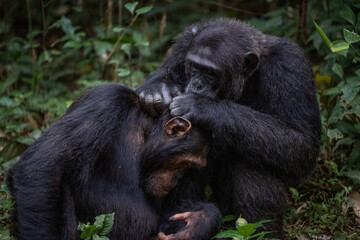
[[197, 85]]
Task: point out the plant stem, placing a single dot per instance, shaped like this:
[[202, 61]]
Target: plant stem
[[108, 57]]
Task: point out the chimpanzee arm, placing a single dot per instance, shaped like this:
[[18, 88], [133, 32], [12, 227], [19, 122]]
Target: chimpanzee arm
[[184, 213], [280, 127]]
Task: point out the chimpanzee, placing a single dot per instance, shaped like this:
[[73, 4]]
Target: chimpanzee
[[108, 155], [256, 93]]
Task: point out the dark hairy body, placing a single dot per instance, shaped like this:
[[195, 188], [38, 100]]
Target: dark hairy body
[[256, 94], [108, 155]]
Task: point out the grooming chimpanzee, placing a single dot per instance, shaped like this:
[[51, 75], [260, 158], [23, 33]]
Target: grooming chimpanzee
[[256, 93], [107, 155]]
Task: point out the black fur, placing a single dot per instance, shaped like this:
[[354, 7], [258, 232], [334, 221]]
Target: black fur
[[91, 162], [264, 118]]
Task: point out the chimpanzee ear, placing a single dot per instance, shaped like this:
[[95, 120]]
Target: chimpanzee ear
[[176, 127], [251, 62]]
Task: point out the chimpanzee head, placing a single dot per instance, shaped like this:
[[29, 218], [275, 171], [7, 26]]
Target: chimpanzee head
[[169, 152], [220, 59]]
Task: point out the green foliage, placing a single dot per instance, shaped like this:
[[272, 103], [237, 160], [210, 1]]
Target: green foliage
[[244, 230], [102, 226]]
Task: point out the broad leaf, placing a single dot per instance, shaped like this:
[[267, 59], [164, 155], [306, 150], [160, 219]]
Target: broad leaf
[[351, 37], [107, 223], [228, 218], [354, 174], [88, 232], [131, 6], [118, 29], [350, 90], [332, 91], [344, 141], [227, 234], [346, 13], [340, 47], [123, 72], [337, 68], [246, 230], [143, 10], [334, 134], [126, 48]]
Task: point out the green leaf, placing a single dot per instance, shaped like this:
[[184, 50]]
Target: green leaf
[[262, 234], [143, 10], [107, 221], [72, 44], [131, 6], [346, 13], [351, 37], [228, 218], [294, 192], [355, 106], [323, 35], [340, 47], [227, 234], [356, 59], [124, 72], [354, 174], [260, 223], [338, 70], [35, 134], [357, 127], [334, 134], [126, 48], [246, 230], [81, 226], [350, 90], [142, 44], [344, 141], [331, 91], [355, 154], [118, 29], [102, 47], [95, 237], [357, 72], [88, 232]]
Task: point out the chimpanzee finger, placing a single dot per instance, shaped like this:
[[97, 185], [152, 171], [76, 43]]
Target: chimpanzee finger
[[166, 95], [149, 104], [180, 216], [175, 92], [182, 235], [142, 98], [177, 111], [161, 236], [158, 102]]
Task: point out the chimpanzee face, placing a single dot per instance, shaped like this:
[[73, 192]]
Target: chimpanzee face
[[183, 148], [216, 67]]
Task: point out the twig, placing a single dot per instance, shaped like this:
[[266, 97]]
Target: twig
[[108, 57]]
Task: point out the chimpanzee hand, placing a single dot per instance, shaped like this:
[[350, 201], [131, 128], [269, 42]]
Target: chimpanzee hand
[[191, 106], [194, 222], [154, 98]]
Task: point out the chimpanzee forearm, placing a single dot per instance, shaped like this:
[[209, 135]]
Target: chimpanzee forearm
[[185, 215], [265, 139]]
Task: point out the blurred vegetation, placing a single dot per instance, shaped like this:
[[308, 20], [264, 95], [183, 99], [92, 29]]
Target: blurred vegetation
[[51, 51]]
